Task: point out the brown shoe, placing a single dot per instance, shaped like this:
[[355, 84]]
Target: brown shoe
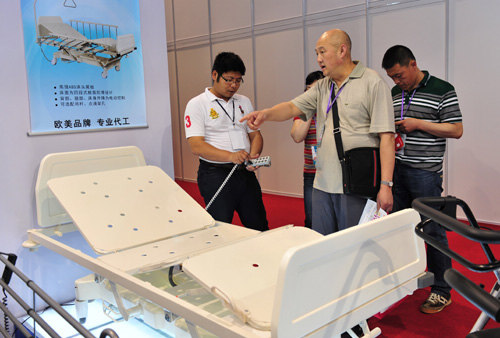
[[435, 303]]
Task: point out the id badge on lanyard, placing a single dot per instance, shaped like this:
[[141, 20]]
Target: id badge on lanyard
[[400, 138], [237, 137]]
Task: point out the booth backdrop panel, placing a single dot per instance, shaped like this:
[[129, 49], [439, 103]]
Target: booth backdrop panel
[[177, 118], [473, 162], [169, 21], [193, 65], [191, 18], [318, 6], [229, 14], [269, 11], [280, 77], [426, 37]]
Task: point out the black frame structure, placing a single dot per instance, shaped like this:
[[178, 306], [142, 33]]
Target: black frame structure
[[438, 209]]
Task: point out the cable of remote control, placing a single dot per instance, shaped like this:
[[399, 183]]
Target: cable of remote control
[[222, 186]]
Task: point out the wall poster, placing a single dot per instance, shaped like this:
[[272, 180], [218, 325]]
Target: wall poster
[[84, 65]]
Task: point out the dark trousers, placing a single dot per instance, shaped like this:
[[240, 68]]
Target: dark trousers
[[411, 183], [241, 193], [308, 189]]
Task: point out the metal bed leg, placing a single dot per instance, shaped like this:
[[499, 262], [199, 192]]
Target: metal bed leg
[[192, 329]]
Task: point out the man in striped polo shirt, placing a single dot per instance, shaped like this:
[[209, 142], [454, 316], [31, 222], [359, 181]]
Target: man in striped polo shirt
[[426, 112]]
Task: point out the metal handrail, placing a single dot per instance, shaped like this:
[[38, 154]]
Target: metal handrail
[[11, 268]]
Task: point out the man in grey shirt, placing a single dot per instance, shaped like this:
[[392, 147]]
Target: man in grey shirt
[[366, 120]]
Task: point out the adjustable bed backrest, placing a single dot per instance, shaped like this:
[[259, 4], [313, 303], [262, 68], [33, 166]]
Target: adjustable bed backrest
[[348, 276], [54, 26], [49, 211]]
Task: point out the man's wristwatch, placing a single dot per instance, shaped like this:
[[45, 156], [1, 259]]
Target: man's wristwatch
[[387, 183]]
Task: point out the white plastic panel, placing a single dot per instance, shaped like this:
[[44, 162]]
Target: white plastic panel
[[174, 250], [124, 208], [348, 276], [245, 273], [49, 211]]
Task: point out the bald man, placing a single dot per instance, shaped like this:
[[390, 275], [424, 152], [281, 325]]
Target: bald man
[[366, 120]]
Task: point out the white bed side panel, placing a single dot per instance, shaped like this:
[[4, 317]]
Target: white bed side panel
[[49, 211], [328, 279]]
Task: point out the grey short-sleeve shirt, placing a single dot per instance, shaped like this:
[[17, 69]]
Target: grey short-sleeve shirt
[[365, 110]]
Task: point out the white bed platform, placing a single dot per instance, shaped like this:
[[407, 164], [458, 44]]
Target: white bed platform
[[228, 281]]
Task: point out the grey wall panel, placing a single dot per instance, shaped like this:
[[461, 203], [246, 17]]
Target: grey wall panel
[[169, 20], [474, 163], [194, 76], [280, 77], [426, 36], [318, 6], [230, 14], [177, 119], [269, 11], [191, 18]]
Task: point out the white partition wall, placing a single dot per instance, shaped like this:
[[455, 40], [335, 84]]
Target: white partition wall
[[453, 39], [279, 72], [473, 162]]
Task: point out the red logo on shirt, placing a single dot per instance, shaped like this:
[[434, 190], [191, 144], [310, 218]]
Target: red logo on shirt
[[188, 121]]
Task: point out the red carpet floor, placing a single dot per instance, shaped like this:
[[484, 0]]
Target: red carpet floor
[[403, 319]]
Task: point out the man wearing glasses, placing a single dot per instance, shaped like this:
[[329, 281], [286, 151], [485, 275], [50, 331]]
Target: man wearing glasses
[[214, 133]]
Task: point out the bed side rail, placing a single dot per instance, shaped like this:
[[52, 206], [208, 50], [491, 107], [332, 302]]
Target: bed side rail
[[433, 208], [11, 269]]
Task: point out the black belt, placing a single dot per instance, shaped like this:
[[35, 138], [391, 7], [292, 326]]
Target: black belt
[[228, 166]]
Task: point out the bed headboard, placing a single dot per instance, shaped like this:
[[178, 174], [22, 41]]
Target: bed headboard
[[49, 211]]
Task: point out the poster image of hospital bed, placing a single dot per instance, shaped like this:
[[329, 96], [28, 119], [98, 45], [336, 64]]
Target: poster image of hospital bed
[[88, 42]]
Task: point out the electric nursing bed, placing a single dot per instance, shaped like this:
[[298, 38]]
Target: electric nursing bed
[[101, 50], [161, 256]]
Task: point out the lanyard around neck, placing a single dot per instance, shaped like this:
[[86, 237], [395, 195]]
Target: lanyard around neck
[[330, 102], [232, 119], [403, 111]]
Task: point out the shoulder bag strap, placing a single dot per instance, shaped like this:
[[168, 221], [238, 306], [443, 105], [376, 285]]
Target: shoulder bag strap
[[336, 128]]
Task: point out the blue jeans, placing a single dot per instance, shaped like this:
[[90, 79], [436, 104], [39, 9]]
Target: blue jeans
[[411, 183], [308, 189], [335, 212]]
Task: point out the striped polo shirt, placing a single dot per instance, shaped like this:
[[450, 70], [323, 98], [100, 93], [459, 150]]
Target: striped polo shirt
[[309, 142], [435, 101]]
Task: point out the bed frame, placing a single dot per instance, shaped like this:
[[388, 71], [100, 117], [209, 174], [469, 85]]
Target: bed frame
[[162, 256]]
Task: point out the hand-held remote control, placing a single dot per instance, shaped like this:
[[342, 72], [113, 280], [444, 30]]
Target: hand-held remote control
[[264, 161]]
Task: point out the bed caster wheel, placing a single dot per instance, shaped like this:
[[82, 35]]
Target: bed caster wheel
[[82, 320], [104, 74], [117, 68], [54, 61]]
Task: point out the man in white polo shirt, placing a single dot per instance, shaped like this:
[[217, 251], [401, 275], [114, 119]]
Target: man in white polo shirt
[[214, 133]]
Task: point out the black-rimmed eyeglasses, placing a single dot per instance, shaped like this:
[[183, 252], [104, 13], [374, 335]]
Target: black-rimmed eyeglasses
[[232, 80]]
